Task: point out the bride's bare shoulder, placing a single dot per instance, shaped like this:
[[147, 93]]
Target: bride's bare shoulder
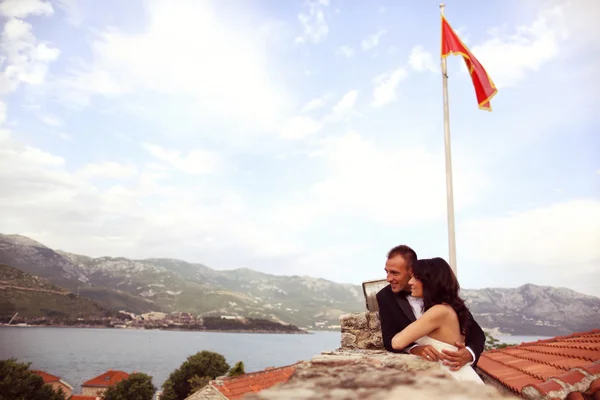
[[440, 310]]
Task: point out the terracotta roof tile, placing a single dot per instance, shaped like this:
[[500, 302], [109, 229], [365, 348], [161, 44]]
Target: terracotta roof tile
[[549, 365], [109, 378], [238, 386], [46, 376], [82, 397]]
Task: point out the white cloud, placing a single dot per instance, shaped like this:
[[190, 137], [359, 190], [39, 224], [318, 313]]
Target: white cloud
[[344, 108], [40, 196], [313, 22], [316, 103], [65, 136], [391, 185], [560, 236], [197, 162], [108, 169], [2, 113], [300, 127], [24, 8], [29, 156], [372, 41], [509, 57], [73, 11], [26, 59], [50, 119], [225, 81], [345, 51], [421, 60], [385, 87]]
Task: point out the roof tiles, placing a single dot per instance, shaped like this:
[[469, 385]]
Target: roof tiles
[[46, 376], [109, 378], [563, 367], [236, 387]]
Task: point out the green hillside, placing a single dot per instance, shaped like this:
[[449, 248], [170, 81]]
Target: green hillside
[[32, 296]]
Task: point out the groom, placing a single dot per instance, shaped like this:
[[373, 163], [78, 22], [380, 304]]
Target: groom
[[397, 309]]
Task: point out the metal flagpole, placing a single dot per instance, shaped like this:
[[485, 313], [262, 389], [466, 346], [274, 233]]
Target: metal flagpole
[[449, 190]]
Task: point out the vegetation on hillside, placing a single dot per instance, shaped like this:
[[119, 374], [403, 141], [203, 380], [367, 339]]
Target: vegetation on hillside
[[34, 297], [247, 324], [18, 382], [118, 300]]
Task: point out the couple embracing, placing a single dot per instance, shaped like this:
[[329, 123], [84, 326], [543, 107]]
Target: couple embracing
[[422, 313]]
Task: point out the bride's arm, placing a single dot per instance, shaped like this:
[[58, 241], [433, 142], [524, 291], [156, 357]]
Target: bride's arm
[[429, 322]]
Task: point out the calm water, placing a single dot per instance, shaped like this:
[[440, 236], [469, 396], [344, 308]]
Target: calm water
[[519, 339], [77, 355]]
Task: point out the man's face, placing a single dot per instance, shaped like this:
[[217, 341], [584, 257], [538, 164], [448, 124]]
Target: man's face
[[398, 273]]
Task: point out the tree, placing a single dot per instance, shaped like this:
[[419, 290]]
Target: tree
[[18, 382], [493, 343], [197, 383], [238, 369], [137, 386], [202, 364]]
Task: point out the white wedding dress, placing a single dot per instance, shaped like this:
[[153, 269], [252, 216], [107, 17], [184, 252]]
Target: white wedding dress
[[466, 373]]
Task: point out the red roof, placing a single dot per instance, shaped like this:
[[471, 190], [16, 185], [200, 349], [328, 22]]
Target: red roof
[[554, 367], [46, 376], [109, 378], [82, 397], [237, 386]]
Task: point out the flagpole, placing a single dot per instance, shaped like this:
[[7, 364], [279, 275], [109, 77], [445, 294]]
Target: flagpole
[[449, 189]]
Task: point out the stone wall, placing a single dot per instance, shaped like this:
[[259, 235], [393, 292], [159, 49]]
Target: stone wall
[[361, 331], [373, 375], [361, 369]]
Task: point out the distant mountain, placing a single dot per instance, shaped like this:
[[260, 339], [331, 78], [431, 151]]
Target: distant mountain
[[32, 296], [169, 285], [534, 310]]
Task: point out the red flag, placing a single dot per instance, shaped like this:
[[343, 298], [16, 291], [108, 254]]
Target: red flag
[[484, 87]]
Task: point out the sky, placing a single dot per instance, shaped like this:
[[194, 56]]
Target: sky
[[304, 137]]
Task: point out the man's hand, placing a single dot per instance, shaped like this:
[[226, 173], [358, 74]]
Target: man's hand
[[456, 359], [427, 352]]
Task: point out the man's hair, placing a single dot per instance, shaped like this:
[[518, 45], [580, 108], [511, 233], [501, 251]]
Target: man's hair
[[406, 252]]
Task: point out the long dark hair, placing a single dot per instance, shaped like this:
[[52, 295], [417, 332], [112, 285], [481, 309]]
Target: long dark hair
[[441, 287]]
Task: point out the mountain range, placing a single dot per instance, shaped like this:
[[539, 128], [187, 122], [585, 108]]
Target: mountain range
[[158, 284]]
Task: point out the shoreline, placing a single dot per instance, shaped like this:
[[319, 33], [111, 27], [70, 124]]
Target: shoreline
[[157, 329]]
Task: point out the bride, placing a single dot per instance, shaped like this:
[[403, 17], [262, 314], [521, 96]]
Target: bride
[[445, 319]]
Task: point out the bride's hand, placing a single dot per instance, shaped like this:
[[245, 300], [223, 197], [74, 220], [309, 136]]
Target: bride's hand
[[427, 352], [457, 359]]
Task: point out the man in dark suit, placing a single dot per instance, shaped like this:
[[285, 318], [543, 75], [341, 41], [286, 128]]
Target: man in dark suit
[[397, 309]]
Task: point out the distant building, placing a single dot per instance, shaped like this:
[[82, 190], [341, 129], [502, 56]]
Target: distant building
[[154, 316], [82, 397], [98, 385], [55, 382]]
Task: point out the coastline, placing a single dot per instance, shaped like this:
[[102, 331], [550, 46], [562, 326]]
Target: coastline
[[301, 332]]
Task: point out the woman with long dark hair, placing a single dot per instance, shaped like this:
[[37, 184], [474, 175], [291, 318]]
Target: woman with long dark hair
[[445, 318]]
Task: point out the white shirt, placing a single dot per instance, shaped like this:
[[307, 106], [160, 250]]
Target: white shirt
[[416, 304]]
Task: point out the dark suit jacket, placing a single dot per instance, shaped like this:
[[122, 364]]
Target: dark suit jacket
[[395, 314]]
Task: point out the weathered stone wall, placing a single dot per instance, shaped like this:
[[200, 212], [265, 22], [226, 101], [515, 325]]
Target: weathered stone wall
[[361, 331], [373, 375]]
